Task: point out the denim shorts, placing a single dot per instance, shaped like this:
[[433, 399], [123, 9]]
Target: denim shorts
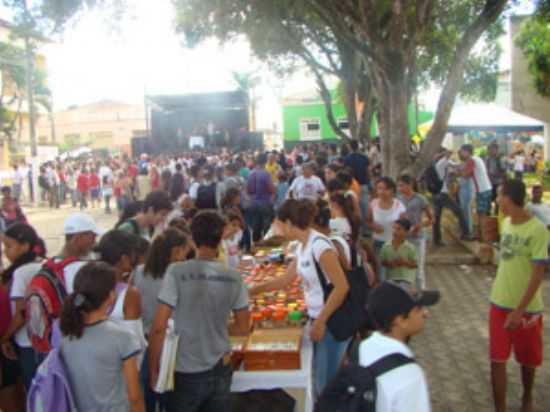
[[483, 202]]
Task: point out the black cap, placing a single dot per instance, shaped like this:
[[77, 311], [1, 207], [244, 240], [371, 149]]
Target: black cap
[[389, 300]]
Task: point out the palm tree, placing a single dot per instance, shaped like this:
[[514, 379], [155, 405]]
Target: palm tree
[[247, 83]]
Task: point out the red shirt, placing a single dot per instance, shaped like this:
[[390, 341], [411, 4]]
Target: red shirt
[[94, 181], [82, 183], [133, 170]]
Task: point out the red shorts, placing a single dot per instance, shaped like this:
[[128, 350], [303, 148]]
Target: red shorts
[[526, 340]]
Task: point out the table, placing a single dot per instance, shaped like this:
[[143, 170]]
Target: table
[[290, 379]]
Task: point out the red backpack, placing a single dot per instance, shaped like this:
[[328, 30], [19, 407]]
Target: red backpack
[[43, 302], [5, 308]]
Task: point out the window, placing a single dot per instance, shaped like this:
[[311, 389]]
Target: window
[[343, 124], [310, 129]]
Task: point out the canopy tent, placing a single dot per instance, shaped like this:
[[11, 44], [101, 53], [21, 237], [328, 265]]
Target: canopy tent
[[489, 118]]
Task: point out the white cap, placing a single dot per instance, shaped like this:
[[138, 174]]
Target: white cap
[[80, 223]]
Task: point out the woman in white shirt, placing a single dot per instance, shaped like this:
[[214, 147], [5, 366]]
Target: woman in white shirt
[[25, 250], [294, 221], [344, 221], [519, 164], [384, 210]]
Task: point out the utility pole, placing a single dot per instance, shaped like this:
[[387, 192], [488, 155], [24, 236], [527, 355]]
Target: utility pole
[[29, 63]]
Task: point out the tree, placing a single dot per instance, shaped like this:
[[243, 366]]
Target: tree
[[247, 83], [534, 41], [286, 36], [397, 45]]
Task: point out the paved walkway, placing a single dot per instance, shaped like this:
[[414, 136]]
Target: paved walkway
[[453, 349]]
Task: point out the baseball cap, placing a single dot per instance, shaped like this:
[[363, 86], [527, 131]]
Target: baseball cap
[[390, 299], [80, 223]]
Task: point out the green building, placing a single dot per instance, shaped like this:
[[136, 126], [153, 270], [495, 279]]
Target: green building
[[305, 119]]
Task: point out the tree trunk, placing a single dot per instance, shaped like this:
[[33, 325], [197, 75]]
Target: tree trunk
[[327, 99], [394, 124]]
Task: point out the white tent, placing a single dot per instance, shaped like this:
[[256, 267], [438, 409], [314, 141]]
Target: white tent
[[490, 117]]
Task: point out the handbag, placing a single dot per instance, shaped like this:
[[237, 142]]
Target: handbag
[[351, 315]]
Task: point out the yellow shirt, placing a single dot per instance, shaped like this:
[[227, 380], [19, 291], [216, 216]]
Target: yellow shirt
[[273, 170]]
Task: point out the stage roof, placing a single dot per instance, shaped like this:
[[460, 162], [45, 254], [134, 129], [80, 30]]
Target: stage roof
[[235, 100]]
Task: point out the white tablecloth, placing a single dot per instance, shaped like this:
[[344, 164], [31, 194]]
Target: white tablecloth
[[291, 379]]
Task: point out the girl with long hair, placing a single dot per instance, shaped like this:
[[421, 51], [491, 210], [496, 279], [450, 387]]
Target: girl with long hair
[[25, 251], [100, 354], [171, 246], [344, 221]]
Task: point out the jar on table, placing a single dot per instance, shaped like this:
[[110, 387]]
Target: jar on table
[[295, 318], [280, 318], [257, 319]]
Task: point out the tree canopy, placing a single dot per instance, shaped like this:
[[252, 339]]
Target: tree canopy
[[390, 47], [534, 41]]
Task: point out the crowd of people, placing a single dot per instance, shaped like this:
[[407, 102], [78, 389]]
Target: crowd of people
[[175, 252]]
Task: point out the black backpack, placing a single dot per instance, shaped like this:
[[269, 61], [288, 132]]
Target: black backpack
[[351, 316], [206, 196], [434, 184], [353, 389]]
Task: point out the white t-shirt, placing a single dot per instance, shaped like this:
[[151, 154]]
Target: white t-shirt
[[316, 245], [403, 389], [307, 187], [105, 171], [441, 168], [386, 218], [519, 163], [541, 211], [340, 226], [482, 183], [231, 250], [70, 271], [21, 279], [194, 190]]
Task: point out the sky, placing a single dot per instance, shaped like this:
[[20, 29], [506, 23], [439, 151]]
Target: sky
[[91, 62]]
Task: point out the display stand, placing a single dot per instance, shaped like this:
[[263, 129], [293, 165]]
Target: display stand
[[302, 378]]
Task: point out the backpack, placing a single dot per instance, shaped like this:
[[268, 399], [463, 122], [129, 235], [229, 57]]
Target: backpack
[[351, 316], [50, 390], [206, 196], [434, 184], [134, 224], [353, 389], [5, 308], [43, 302]]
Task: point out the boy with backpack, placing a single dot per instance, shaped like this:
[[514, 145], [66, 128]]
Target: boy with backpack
[[209, 191], [50, 286], [387, 378]]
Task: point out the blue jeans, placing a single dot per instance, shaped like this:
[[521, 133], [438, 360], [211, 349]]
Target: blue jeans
[[208, 391], [327, 356], [420, 246], [381, 271], [364, 207], [465, 198], [261, 216], [152, 399]]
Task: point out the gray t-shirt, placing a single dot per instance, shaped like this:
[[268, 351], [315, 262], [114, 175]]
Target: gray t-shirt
[[203, 293], [94, 364], [415, 205], [149, 289]]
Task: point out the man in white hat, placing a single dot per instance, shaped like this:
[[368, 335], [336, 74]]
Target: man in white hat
[[81, 231]]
